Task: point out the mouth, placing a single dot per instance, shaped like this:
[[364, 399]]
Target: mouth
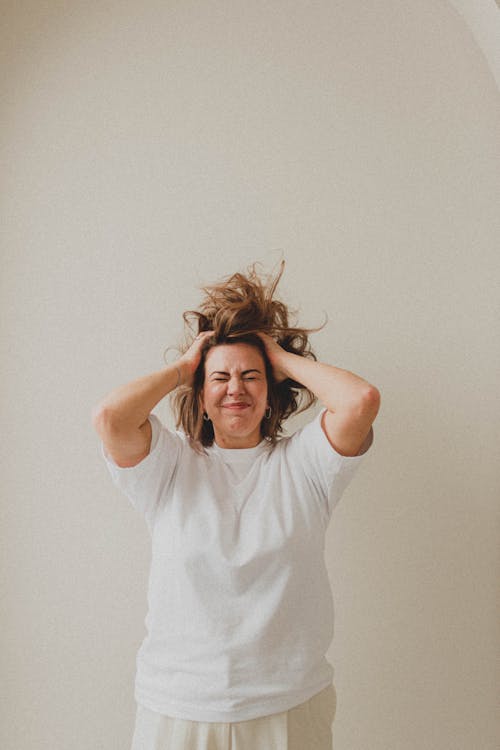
[[236, 407]]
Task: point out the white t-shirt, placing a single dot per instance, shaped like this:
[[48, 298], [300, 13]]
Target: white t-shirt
[[240, 608]]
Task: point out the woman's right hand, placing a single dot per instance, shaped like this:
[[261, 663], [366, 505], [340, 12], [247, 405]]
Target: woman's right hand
[[190, 360]]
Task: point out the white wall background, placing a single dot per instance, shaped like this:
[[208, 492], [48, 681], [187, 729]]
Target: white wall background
[[148, 148]]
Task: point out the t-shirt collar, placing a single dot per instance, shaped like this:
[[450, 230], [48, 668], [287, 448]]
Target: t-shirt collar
[[239, 454]]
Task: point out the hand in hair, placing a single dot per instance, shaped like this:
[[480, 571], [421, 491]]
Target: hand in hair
[[191, 358], [277, 356]]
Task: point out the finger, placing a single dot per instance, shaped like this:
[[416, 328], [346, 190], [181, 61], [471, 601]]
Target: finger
[[202, 336]]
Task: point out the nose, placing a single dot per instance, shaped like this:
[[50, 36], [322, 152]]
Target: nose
[[235, 385]]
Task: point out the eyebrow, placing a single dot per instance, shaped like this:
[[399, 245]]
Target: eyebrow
[[221, 372]]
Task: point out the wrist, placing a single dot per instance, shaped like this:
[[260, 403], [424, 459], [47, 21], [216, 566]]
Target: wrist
[[184, 372], [285, 364]]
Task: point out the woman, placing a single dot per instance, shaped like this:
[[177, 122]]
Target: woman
[[240, 609]]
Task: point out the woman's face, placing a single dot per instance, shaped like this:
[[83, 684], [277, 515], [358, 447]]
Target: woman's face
[[234, 394]]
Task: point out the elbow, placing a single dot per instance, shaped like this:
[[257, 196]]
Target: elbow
[[371, 400], [100, 416]]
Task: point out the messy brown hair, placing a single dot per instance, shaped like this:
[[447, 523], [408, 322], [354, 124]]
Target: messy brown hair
[[235, 309]]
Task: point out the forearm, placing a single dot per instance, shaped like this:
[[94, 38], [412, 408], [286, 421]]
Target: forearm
[[335, 388], [131, 404]]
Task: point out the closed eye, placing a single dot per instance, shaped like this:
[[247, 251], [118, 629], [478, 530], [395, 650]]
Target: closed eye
[[250, 377]]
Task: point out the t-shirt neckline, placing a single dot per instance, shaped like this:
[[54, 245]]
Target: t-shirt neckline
[[233, 455]]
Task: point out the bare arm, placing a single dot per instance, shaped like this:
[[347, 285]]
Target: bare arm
[[121, 417], [129, 406], [352, 403]]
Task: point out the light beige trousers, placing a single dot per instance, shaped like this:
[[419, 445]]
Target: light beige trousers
[[304, 727]]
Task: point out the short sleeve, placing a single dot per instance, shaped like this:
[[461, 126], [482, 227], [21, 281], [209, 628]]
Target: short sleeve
[[145, 483], [329, 471]]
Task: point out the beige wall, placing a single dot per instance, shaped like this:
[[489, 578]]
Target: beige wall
[[148, 148]]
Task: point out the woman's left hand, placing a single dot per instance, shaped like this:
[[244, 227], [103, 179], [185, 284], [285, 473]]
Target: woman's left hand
[[276, 355]]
